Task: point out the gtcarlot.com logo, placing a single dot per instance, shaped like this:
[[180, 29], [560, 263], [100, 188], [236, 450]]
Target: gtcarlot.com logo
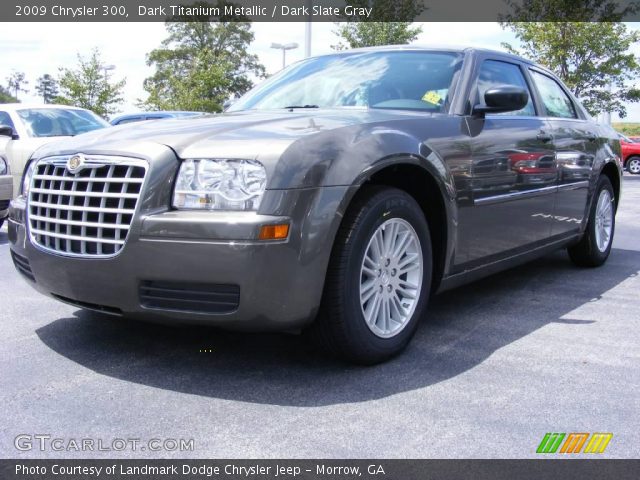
[[573, 443], [45, 442]]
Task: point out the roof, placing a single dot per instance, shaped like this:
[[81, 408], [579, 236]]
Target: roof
[[436, 48]]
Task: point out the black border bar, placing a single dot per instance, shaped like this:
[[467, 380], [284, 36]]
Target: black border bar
[[318, 10], [533, 469]]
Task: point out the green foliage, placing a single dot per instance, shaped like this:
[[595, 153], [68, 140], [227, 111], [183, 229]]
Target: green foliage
[[588, 57], [88, 86], [202, 62], [570, 10], [16, 82], [6, 97], [47, 88], [629, 129], [594, 59], [385, 29]]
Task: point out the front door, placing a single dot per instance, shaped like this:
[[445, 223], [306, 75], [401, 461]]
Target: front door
[[514, 175]]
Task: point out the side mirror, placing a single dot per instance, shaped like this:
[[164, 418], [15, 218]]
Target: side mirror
[[502, 98], [7, 131], [228, 103]]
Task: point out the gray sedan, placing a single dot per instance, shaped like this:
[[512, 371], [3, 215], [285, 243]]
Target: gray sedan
[[333, 198]]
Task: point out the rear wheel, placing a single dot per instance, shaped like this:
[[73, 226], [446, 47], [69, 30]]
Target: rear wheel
[[595, 245], [379, 278], [633, 165]]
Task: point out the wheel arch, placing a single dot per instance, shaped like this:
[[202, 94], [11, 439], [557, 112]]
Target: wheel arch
[[612, 172], [415, 176]]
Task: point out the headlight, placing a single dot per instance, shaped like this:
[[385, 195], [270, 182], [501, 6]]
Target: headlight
[[26, 178], [4, 167], [220, 184]]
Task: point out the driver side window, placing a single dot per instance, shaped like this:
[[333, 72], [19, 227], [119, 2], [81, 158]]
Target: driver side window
[[494, 72]]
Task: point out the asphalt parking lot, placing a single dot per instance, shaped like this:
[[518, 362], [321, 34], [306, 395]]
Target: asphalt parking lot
[[546, 347]]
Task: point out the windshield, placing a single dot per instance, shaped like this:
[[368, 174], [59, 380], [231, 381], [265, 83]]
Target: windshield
[[59, 122], [394, 79]]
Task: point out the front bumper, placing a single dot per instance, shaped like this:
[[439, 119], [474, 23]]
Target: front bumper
[[6, 192], [280, 282]]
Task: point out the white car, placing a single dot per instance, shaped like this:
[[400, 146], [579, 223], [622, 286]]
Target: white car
[[33, 126], [6, 188]]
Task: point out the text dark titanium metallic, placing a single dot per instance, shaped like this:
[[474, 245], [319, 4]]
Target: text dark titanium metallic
[[335, 197]]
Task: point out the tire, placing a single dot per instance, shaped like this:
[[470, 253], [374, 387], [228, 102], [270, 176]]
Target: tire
[[593, 250], [633, 165], [377, 213]]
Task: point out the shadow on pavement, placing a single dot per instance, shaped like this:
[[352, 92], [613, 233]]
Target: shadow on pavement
[[462, 329]]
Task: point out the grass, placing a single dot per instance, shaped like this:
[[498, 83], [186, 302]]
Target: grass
[[628, 128]]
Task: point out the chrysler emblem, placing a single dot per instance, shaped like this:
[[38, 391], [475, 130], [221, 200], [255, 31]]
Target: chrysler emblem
[[75, 163]]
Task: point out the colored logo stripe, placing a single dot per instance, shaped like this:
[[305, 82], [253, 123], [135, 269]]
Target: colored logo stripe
[[598, 442], [574, 442], [550, 443]]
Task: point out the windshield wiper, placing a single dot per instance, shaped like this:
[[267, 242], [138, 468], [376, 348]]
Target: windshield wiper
[[302, 106]]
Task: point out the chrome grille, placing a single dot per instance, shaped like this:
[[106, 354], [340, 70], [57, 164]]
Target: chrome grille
[[86, 214]]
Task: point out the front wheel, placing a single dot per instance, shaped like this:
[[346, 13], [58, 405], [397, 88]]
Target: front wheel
[[633, 165], [379, 278], [595, 245]]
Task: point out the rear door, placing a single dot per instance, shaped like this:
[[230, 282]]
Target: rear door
[[575, 141], [513, 171]]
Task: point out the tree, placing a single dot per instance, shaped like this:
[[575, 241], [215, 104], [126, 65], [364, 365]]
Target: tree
[[202, 62], [592, 58], [16, 82], [47, 88], [5, 96], [385, 29], [570, 10], [88, 86]]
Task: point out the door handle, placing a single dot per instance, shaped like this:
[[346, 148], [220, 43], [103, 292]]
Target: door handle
[[592, 137], [544, 137]]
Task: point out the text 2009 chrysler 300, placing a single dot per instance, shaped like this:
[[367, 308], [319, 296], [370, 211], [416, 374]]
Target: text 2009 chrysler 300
[[334, 197]]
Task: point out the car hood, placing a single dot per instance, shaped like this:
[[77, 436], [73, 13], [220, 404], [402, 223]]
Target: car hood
[[253, 135]]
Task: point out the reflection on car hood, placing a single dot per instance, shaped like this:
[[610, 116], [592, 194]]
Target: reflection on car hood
[[240, 134]]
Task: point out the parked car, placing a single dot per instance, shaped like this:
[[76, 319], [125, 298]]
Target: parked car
[[35, 125], [630, 154], [6, 189], [333, 198], [142, 116]]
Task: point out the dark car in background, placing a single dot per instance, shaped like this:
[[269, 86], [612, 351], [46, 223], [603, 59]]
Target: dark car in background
[[143, 116], [334, 198]]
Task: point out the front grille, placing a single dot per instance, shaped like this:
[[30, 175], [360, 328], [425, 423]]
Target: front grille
[[189, 297], [88, 213], [22, 265], [4, 204]]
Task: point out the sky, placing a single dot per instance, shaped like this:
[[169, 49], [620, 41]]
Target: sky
[[40, 48]]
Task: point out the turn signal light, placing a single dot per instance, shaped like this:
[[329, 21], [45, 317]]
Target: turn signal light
[[274, 232]]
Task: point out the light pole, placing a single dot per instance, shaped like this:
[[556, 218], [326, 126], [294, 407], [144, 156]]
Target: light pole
[[107, 68], [307, 30], [284, 48]]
